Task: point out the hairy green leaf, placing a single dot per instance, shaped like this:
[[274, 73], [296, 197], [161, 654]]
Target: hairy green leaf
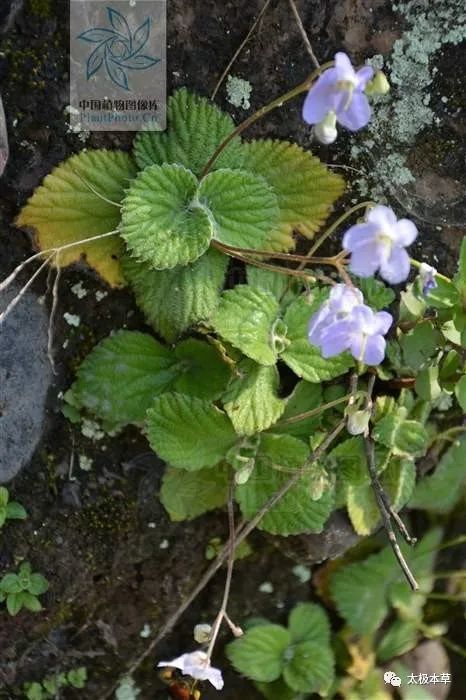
[[195, 128], [376, 294], [242, 207], [119, 379], [186, 495], [305, 188], [406, 438], [275, 283], [359, 591], [173, 300], [443, 489], [248, 319], [311, 668], [251, 399], [162, 223], [400, 637], [309, 623], [260, 653], [187, 432], [79, 200]]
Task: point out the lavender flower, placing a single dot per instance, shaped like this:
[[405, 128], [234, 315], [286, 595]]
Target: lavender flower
[[197, 665], [361, 332], [340, 89], [344, 322], [427, 278], [379, 244], [339, 305]]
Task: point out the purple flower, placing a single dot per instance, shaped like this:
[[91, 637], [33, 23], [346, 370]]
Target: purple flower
[[361, 332], [379, 244], [197, 665], [340, 89], [427, 278], [341, 302]]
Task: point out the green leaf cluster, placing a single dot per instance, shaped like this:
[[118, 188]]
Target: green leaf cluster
[[50, 686], [21, 590], [296, 659]]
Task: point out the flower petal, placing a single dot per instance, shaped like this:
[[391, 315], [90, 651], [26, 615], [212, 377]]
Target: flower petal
[[384, 320], [359, 235], [365, 260], [405, 232], [396, 268], [321, 98], [344, 67], [374, 350], [363, 76], [384, 217], [357, 114], [336, 338]]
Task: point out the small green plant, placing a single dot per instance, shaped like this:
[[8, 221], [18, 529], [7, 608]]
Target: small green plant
[[51, 686], [295, 659], [10, 510], [21, 590]]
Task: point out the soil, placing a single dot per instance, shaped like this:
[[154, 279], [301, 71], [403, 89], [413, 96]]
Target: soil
[[114, 561]]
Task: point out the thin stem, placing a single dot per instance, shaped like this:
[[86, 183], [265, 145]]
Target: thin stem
[[336, 224], [240, 48], [230, 565], [17, 298], [53, 310], [266, 266], [381, 500], [319, 409], [8, 280], [304, 35], [278, 102], [291, 257], [446, 435]]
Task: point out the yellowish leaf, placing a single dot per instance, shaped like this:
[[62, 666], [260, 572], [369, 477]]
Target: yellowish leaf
[[78, 200]]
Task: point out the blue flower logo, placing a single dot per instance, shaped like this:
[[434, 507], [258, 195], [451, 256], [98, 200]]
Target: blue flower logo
[[118, 48]]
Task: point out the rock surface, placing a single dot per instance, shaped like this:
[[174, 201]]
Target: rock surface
[[25, 376]]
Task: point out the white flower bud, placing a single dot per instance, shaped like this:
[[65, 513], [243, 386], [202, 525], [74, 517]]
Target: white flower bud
[[358, 421], [202, 633], [326, 130]]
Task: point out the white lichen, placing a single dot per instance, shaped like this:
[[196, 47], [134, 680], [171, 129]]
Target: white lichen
[[78, 290], [238, 92], [91, 429], [85, 463], [72, 319]]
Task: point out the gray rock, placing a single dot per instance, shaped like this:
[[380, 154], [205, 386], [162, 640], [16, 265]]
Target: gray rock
[[336, 537], [25, 376]]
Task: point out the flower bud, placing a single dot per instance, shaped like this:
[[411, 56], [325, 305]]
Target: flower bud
[[379, 85], [202, 633], [326, 130], [427, 278], [358, 421]]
